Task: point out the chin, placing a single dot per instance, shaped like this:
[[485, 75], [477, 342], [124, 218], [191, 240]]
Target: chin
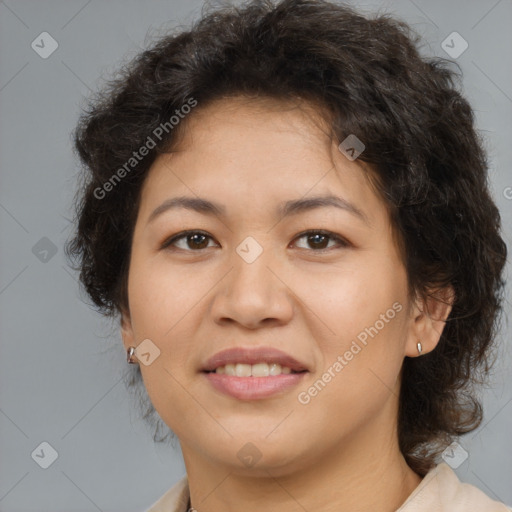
[[252, 455]]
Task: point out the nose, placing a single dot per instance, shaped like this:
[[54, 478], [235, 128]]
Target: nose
[[253, 294]]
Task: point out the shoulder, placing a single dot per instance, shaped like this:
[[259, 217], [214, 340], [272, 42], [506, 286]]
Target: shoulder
[[442, 491], [174, 500]]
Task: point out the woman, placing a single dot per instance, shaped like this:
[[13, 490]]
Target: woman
[[288, 209]]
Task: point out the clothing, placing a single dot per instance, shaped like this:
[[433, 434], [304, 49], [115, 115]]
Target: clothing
[[439, 491]]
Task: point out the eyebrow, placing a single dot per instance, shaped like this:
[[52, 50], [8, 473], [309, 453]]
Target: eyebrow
[[285, 209]]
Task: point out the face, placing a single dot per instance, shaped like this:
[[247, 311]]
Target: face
[[305, 303]]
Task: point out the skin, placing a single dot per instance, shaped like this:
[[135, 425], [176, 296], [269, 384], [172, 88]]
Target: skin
[[339, 451]]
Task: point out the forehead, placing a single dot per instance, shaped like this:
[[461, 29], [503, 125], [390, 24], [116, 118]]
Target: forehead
[[245, 124], [246, 152]]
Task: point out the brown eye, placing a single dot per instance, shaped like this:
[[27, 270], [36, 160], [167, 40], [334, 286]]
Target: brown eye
[[193, 241], [319, 240]]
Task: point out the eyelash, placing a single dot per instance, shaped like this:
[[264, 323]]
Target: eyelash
[[183, 234]]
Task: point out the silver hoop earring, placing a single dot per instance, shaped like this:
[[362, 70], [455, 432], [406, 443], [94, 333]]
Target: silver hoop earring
[[420, 348], [129, 353]]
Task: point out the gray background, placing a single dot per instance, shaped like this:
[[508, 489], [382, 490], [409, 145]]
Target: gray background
[[61, 364]]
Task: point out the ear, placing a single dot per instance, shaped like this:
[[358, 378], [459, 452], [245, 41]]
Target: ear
[[127, 330], [428, 318]]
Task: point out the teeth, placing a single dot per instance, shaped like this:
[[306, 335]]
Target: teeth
[[275, 369], [243, 370], [260, 370], [254, 370]]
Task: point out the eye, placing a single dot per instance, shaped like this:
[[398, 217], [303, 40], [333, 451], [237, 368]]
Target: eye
[[194, 240], [319, 238]]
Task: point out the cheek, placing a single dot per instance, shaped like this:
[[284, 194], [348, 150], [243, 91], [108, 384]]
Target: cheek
[[352, 298], [364, 310], [360, 369], [160, 296], [163, 309]]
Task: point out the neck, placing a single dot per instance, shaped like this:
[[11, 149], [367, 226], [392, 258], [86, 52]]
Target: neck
[[367, 473]]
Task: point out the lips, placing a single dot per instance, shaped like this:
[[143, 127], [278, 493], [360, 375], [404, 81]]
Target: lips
[[227, 372], [253, 356]]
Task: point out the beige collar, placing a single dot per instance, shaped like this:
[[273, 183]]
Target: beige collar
[[439, 491]]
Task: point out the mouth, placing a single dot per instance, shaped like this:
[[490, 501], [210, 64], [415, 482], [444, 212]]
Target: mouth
[[257, 370], [252, 374]]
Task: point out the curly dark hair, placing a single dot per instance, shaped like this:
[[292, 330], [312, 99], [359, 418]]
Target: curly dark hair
[[366, 71]]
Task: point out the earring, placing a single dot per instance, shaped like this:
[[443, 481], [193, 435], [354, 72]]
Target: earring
[[129, 352], [420, 348]]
